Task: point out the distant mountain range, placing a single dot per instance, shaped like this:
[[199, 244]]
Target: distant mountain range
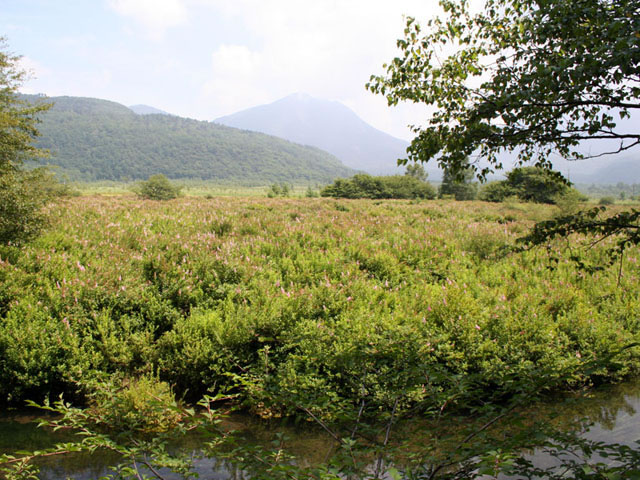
[[328, 125], [92, 139], [333, 127], [625, 169]]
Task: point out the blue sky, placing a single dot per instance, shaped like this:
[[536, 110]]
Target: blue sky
[[207, 58]]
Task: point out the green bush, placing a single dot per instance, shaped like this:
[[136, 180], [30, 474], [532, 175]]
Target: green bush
[[279, 190], [530, 184], [496, 192], [41, 357], [366, 186], [136, 406], [158, 187], [22, 196], [460, 188]]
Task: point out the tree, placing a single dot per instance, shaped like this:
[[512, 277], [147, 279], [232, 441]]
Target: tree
[[158, 187], [22, 193], [416, 170], [528, 76], [392, 186], [459, 185], [530, 184]]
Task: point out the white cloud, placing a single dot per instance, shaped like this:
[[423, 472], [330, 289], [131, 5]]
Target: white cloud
[[234, 71], [34, 70], [325, 48], [156, 16]]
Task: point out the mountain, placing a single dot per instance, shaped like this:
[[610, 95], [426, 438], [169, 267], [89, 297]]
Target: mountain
[[146, 110], [328, 125], [92, 139], [625, 169]]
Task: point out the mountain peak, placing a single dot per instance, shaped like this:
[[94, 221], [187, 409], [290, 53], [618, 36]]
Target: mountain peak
[[328, 125]]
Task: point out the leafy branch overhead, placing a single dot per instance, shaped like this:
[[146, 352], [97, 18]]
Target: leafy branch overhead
[[624, 226], [532, 77]]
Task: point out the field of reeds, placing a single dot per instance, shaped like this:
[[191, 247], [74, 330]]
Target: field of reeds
[[305, 302]]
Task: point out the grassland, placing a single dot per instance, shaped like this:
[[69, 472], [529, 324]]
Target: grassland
[[311, 302]]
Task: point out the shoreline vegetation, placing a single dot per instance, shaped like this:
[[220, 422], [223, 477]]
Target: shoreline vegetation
[[351, 314], [294, 294]]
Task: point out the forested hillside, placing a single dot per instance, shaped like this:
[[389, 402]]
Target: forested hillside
[[93, 139]]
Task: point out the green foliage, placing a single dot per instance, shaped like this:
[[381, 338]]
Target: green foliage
[[530, 77], [622, 227], [607, 201], [357, 317], [158, 187], [311, 193], [41, 356], [144, 425], [22, 194], [416, 170], [279, 190], [139, 420], [458, 186], [529, 184], [366, 186], [137, 406], [94, 140], [309, 300]]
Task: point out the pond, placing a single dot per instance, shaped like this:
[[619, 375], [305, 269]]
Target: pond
[[614, 410]]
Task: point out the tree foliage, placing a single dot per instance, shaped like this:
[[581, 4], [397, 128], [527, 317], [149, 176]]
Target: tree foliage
[[525, 76], [367, 186], [158, 187], [459, 185], [93, 139], [416, 170], [22, 193], [531, 184], [593, 223]]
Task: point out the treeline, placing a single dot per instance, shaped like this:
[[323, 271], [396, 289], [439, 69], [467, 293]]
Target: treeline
[[93, 139], [393, 186], [528, 184]]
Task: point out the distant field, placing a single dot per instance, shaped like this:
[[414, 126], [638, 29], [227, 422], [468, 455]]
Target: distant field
[[189, 188], [311, 300]]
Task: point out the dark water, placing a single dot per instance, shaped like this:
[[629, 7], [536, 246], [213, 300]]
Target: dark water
[[614, 410]]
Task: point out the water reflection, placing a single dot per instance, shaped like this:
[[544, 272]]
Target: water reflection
[[614, 410]]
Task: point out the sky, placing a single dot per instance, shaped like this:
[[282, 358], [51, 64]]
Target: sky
[[207, 58]]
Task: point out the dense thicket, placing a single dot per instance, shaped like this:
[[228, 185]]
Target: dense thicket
[[392, 186], [93, 139], [312, 302]]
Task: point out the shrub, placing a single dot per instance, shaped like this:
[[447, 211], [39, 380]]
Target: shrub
[[366, 186], [460, 188], [136, 406], [496, 192], [530, 184], [158, 187], [22, 196], [311, 193], [607, 201], [278, 190]]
